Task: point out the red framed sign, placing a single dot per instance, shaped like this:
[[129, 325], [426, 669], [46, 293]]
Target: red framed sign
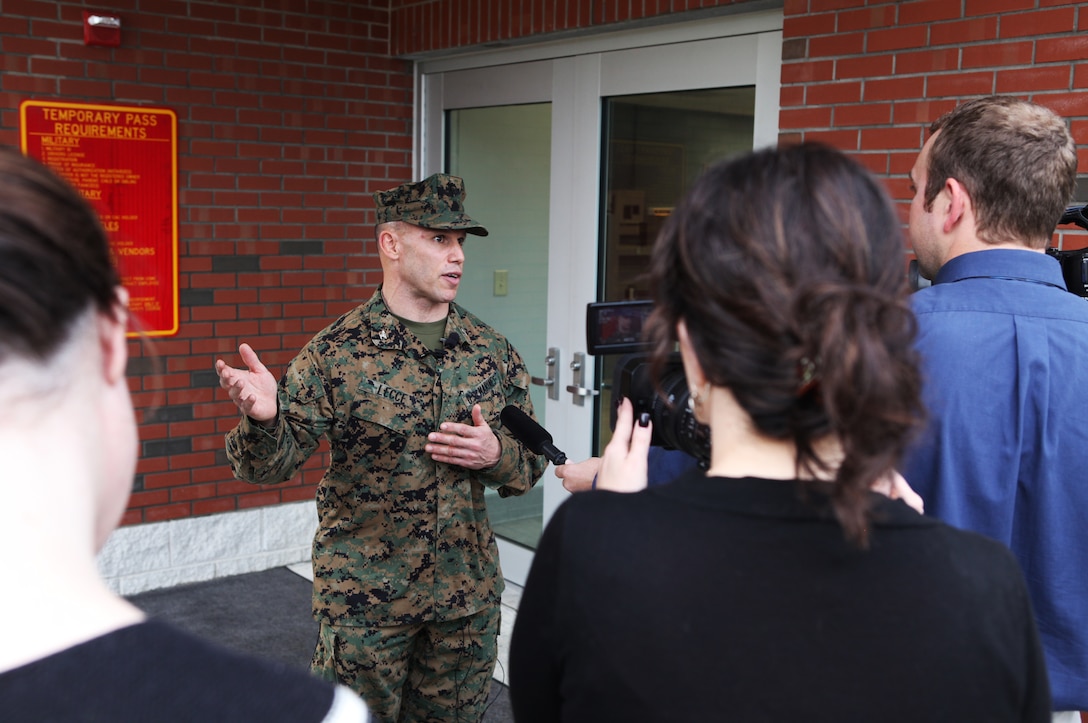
[[123, 160]]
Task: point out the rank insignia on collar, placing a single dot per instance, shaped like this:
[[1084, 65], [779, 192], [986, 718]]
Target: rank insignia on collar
[[382, 335]]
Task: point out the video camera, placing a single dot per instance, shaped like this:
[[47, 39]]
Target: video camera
[[615, 328], [1074, 263]]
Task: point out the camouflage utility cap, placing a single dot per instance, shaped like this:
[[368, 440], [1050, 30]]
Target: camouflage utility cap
[[437, 201]]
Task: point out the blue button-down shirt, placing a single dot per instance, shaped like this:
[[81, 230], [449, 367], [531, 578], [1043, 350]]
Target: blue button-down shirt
[[1005, 453]]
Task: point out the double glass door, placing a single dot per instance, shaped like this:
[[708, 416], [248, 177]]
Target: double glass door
[[573, 161]]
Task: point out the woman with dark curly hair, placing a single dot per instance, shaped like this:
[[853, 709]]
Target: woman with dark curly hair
[[777, 585]]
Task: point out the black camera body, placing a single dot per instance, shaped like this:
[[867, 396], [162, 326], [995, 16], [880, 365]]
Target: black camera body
[[1074, 269], [615, 327]]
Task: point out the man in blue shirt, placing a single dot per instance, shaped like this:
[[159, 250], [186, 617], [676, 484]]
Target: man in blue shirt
[[1005, 349]]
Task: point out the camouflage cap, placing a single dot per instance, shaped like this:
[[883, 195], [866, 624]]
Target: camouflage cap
[[437, 201]]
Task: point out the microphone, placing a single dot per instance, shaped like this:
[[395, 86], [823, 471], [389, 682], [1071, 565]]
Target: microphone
[[531, 434], [448, 342]]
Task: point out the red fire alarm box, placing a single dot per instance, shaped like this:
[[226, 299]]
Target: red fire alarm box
[[101, 29]]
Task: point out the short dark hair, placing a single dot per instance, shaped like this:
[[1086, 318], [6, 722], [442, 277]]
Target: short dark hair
[[55, 259], [1017, 161], [789, 259]]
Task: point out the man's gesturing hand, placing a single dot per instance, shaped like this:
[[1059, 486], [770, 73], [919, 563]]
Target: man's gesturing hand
[[473, 446], [253, 389]]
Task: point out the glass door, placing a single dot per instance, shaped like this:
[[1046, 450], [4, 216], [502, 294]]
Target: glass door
[[503, 153], [556, 143], [654, 147]]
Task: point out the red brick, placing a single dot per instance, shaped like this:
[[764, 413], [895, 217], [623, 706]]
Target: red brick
[[32, 9], [927, 11], [996, 7], [890, 138], [807, 72], [299, 494], [52, 66], [1079, 130], [805, 118], [131, 517], [960, 85], [808, 25], [1041, 22], [877, 163], [922, 111], [866, 67], [1035, 79], [214, 506], [927, 61], [147, 499], [836, 45], [881, 16], [163, 513], [863, 115], [845, 140], [1050, 50], [998, 54], [899, 38], [258, 499], [896, 89], [1067, 105], [962, 32], [167, 479]]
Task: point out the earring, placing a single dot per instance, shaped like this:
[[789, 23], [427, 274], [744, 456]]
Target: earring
[[808, 375], [696, 398]]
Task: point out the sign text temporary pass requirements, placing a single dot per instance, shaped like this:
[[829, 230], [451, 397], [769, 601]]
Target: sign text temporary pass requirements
[[123, 159]]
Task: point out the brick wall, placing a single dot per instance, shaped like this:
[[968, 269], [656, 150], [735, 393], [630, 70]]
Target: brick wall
[[287, 121], [869, 76], [422, 26]]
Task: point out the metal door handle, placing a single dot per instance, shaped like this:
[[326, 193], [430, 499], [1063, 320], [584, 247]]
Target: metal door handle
[[578, 391], [551, 364]]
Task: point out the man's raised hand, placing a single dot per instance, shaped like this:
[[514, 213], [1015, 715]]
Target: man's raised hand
[[253, 389]]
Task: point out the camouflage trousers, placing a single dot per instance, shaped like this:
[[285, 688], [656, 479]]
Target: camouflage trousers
[[433, 671]]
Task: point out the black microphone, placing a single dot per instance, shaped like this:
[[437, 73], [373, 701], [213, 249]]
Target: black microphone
[[531, 434], [448, 342]]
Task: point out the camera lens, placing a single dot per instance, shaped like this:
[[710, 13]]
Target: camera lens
[[674, 423]]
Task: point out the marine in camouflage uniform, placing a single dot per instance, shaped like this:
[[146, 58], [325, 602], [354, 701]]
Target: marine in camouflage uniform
[[404, 555]]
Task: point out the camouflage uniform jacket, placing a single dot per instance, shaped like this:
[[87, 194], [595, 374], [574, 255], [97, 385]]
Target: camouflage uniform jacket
[[401, 538]]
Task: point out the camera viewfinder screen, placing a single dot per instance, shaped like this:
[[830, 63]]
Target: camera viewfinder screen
[[616, 326]]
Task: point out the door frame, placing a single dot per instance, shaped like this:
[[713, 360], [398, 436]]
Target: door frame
[[574, 75]]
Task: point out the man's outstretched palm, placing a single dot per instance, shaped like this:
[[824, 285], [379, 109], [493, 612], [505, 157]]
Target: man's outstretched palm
[[253, 389]]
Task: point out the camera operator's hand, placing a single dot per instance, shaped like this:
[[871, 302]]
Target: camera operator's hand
[[578, 476], [624, 462]]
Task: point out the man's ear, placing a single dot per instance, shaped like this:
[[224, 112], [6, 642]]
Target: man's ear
[[389, 242], [959, 206], [112, 338]]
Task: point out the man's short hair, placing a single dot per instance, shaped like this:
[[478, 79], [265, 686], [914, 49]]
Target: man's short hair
[[1017, 161]]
